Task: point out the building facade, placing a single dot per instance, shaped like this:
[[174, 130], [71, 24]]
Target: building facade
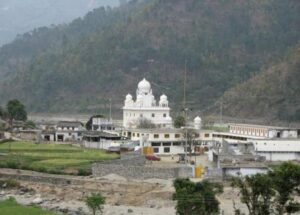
[[145, 107]]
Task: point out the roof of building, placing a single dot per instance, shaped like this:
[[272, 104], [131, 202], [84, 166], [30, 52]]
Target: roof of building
[[69, 124], [98, 134], [237, 135], [156, 130], [260, 126], [244, 165]]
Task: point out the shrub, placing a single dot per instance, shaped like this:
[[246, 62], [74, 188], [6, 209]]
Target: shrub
[[10, 183], [84, 172], [12, 165]]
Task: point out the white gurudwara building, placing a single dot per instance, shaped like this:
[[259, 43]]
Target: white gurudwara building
[[146, 107]]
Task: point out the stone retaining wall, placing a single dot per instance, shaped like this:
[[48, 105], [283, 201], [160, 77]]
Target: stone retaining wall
[[141, 172]]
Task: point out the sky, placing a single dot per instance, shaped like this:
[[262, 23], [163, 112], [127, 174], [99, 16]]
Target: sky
[[20, 16]]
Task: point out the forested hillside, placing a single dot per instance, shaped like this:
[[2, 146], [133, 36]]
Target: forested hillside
[[80, 66], [273, 94]]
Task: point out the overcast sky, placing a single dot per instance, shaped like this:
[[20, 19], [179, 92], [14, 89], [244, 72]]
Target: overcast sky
[[20, 16]]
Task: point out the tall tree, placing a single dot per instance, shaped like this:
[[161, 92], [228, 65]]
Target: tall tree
[[256, 192], [179, 121], [16, 110], [272, 193], [286, 180], [196, 198]]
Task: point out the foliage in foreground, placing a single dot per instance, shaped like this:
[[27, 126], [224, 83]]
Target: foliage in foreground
[[196, 198], [95, 202], [10, 206], [272, 193]]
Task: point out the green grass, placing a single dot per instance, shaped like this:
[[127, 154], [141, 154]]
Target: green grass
[[12, 207], [51, 158]]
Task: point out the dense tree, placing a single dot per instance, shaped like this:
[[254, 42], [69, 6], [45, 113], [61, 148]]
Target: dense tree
[[145, 123], [272, 193], [1, 112], [196, 198], [286, 183], [257, 193], [88, 125], [179, 121], [95, 202], [16, 110]]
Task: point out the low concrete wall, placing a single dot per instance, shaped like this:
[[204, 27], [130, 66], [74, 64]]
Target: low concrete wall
[[141, 172]]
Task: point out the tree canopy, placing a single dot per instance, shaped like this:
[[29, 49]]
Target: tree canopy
[[272, 193], [196, 198], [16, 110]]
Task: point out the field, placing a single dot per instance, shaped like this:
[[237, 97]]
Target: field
[[50, 158], [12, 207]]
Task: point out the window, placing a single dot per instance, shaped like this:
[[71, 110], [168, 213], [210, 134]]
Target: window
[[156, 136], [138, 135], [133, 134], [177, 135], [167, 136], [177, 144], [167, 144], [165, 115], [153, 115], [206, 135], [156, 144], [167, 150], [197, 135], [156, 150], [141, 115]]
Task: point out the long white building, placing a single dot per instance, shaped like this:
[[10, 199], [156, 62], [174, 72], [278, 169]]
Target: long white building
[[146, 107], [278, 149]]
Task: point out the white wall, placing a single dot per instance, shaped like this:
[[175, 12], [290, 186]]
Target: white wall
[[277, 145], [244, 171], [276, 156]]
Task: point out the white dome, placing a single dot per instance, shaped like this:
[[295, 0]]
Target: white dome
[[163, 97], [144, 86], [129, 97], [197, 120]]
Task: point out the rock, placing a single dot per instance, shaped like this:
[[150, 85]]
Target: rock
[[37, 200], [2, 193], [4, 185], [130, 210], [64, 210], [152, 206]]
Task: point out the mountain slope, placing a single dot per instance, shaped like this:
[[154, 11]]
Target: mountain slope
[[273, 94], [103, 56]]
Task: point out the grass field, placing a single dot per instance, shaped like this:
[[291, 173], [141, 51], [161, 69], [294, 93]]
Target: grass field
[[12, 207], [51, 158]]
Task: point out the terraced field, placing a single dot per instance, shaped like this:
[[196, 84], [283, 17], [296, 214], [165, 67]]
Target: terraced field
[[50, 158], [12, 207]]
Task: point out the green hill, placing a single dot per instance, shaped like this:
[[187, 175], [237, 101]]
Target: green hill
[[272, 94], [79, 67]]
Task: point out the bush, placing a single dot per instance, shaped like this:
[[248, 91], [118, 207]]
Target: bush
[[12, 165], [10, 183], [84, 172]]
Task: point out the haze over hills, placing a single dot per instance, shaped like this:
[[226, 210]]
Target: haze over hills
[[20, 16], [273, 94], [80, 66]]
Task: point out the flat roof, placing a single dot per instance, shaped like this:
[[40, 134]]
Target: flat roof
[[261, 126], [238, 135], [154, 130]]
